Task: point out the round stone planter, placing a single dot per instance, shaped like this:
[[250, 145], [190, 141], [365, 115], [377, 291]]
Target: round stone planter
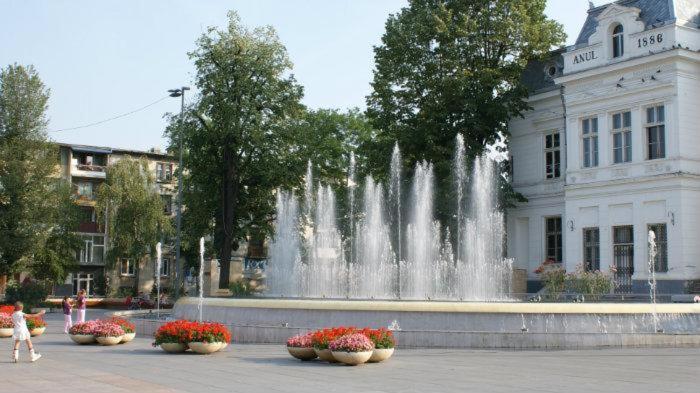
[[205, 348], [37, 331], [6, 332], [352, 358], [325, 355], [302, 353], [82, 338], [173, 347], [128, 337], [380, 355], [109, 340]]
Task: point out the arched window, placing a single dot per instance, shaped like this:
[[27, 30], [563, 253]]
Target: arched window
[[618, 44]]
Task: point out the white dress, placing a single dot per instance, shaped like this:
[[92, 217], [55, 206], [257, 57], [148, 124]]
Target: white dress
[[21, 332]]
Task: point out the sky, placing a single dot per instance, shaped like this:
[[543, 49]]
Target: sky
[[102, 59]]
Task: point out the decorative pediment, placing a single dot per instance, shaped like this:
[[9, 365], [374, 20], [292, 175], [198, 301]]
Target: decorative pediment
[[614, 10], [615, 14]]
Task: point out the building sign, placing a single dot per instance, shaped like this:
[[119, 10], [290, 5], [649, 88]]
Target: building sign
[[584, 57]]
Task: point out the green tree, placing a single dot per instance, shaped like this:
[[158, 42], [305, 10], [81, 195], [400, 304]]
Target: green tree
[[234, 135], [133, 212], [37, 215], [451, 66]]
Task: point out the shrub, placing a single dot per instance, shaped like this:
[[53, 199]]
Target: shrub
[[6, 321], [241, 289], [210, 333], [31, 293], [125, 324], [590, 283], [382, 338], [108, 329], [321, 338], [84, 328], [35, 322], [356, 342], [300, 341]]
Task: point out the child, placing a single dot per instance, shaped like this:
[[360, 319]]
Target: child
[[82, 302], [21, 333], [67, 319]]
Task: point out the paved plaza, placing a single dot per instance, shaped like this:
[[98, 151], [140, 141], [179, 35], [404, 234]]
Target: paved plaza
[[67, 367]]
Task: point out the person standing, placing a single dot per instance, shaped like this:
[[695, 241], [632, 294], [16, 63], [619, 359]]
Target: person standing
[[21, 333], [82, 303], [67, 317]]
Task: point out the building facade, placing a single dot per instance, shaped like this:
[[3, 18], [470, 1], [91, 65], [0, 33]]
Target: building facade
[[611, 150], [85, 168]]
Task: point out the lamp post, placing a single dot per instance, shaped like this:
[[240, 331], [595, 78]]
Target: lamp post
[[178, 265]]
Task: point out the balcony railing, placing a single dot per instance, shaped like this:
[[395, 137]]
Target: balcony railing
[[90, 168]]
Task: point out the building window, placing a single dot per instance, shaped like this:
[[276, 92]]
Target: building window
[[622, 137], [589, 131], [552, 155], [618, 42], [92, 250], [165, 267], [164, 171], [661, 260], [591, 249], [84, 190], [623, 254], [656, 132], [126, 267], [553, 238], [167, 204]]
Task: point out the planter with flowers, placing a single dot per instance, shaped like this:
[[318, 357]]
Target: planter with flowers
[[384, 344], [128, 328], [352, 349], [82, 332], [172, 337], [7, 309], [208, 338], [107, 333], [322, 338], [36, 326], [6, 325], [301, 347]]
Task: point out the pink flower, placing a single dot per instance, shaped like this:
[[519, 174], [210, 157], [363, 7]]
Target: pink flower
[[356, 342], [300, 341]]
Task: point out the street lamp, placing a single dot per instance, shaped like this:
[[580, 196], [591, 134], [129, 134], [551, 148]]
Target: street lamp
[[178, 265]]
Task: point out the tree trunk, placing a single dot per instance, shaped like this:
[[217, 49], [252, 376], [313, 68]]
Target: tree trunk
[[228, 202]]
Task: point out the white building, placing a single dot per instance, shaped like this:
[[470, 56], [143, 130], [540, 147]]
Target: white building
[[611, 149]]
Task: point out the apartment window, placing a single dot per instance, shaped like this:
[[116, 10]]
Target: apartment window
[[589, 131], [84, 189], [165, 267], [618, 41], [656, 132], [164, 171], [92, 250], [126, 267], [167, 204], [623, 257], [591, 249], [553, 238], [661, 260], [552, 155], [622, 137]]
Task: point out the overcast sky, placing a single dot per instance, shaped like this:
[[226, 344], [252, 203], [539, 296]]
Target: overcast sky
[[105, 58]]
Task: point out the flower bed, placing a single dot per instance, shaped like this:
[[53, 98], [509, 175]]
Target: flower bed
[[6, 322], [356, 342], [206, 337], [7, 309], [127, 326], [330, 344], [322, 338], [301, 341], [107, 329], [84, 328]]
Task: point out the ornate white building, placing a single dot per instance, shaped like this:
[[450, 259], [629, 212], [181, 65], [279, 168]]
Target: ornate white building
[[611, 149]]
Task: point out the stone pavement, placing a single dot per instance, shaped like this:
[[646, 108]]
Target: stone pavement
[[138, 367]]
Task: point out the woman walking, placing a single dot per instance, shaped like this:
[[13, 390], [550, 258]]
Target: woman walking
[[21, 333], [67, 318], [82, 302]]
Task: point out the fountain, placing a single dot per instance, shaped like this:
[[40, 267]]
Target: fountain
[[394, 262], [652, 279], [200, 306], [159, 262]]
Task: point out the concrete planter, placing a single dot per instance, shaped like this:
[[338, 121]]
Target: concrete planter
[[325, 355], [82, 338], [352, 358], [173, 347], [6, 332], [302, 353], [128, 337], [205, 348], [109, 340], [37, 331], [380, 355]]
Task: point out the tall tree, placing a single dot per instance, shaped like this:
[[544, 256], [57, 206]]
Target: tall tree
[[37, 216], [132, 211], [234, 135], [451, 66]]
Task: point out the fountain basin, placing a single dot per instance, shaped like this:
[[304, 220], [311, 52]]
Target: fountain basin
[[458, 324]]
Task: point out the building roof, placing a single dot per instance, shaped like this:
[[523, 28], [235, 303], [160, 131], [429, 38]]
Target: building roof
[[653, 13], [115, 150], [535, 75]]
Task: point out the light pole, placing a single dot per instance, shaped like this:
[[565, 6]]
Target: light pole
[[178, 265]]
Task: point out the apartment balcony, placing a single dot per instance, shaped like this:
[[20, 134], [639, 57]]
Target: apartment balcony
[[88, 171], [85, 199]]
